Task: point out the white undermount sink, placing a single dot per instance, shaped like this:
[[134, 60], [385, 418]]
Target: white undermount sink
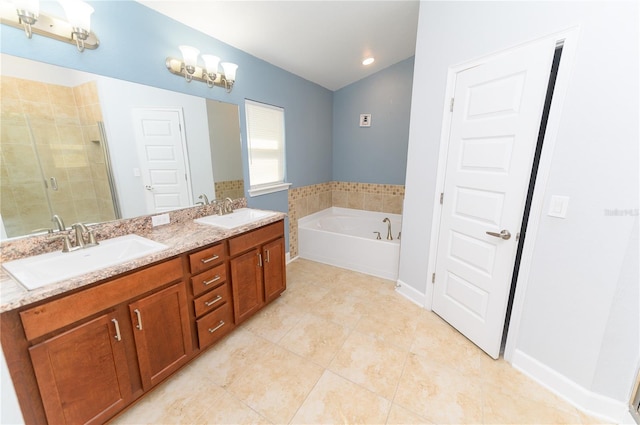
[[40, 270], [239, 217]]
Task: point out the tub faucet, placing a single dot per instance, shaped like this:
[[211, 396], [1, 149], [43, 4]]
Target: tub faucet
[[386, 220]]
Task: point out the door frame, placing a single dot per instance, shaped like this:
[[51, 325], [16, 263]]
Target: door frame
[[570, 39]]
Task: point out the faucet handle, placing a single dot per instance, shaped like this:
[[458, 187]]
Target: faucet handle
[[92, 238], [66, 243]]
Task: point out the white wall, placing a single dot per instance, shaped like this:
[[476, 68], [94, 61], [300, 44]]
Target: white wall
[[567, 322], [117, 98], [225, 140]]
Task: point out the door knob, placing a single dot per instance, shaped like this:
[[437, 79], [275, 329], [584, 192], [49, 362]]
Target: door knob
[[504, 234]]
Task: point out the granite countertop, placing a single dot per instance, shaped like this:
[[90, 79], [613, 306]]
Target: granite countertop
[[180, 237]]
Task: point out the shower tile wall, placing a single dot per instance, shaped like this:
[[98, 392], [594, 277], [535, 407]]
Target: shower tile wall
[[307, 200], [61, 123]]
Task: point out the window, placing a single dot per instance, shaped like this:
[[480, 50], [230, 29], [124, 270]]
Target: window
[[265, 135]]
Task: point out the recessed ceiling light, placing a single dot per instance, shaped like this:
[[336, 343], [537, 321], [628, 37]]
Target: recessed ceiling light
[[368, 61]]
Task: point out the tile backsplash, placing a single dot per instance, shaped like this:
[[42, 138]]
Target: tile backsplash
[[307, 200]]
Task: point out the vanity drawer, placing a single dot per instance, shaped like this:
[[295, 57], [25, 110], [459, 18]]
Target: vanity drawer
[[256, 237], [207, 258], [209, 279], [212, 299], [215, 325], [48, 317]]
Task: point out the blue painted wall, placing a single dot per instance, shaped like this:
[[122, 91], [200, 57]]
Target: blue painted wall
[[376, 154], [136, 40]]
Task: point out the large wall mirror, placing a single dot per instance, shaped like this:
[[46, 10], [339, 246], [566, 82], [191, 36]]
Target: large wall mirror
[[92, 149]]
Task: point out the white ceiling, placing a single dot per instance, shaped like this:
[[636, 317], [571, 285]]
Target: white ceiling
[[322, 41]]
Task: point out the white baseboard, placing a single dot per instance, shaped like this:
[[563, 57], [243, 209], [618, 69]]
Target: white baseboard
[[594, 404], [410, 293], [288, 259]]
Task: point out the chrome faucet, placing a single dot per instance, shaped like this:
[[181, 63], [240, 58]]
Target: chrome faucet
[[386, 220], [57, 220]]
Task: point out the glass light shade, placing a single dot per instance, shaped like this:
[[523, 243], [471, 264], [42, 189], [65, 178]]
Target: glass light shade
[[211, 63], [32, 6], [189, 55], [78, 13], [229, 70]]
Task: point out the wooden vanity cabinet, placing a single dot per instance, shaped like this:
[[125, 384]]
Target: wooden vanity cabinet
[[83, 374], [87, 352], [162, 333], [257, 269]]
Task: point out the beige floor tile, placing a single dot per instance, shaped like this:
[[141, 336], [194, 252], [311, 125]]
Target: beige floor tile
[[437, 340], [276, 384], [500, 374], [439, 394], [274, 321], [315, 339], [502, 406], [229, 410], [181, 399], [226, 360], [389, 322], [370, 362], [335, 400], [401, 416], [349, 349]]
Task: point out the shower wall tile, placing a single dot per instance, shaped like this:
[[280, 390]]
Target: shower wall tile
[[62, 122], [306, 200]]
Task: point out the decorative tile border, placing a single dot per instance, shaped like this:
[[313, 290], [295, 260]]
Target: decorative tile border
[[307, 200]]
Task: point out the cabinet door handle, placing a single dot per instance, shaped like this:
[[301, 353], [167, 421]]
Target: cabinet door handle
[[213, 301], [212, 330], [208, 260], [267, 259], [139, 316], [209, 282], [259, 260], [117, 337]]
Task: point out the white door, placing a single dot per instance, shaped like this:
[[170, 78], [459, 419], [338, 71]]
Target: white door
[[163, 158], [494, 129]]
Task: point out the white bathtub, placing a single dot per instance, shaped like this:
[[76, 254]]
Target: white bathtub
[[345, 238]]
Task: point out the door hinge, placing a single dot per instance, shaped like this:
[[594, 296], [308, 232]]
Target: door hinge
[[451, 105], [433, 278], [441, 197]]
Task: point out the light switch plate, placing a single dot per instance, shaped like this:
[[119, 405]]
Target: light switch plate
[[159, 220], [558, 206]]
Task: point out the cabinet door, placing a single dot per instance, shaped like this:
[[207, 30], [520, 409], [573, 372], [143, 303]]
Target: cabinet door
[[274, 269], [246, 283], [82, 374], [162, 333]]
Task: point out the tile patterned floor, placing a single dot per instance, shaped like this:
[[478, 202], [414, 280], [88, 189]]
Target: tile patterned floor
[[343, 347]]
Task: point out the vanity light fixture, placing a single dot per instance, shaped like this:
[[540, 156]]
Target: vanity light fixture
[[189, 69], [25, 14]]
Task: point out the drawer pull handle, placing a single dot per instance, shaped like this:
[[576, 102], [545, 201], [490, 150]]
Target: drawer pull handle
[[268, 258], [208, 260], [213, 301], [212, 330], [209, 282], [139, 325], [259, 260], [117, 337]]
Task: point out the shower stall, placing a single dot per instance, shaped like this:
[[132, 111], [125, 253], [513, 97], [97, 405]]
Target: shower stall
[[53, 157]]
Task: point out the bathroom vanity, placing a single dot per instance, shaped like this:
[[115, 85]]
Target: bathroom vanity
[[81, 351]]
